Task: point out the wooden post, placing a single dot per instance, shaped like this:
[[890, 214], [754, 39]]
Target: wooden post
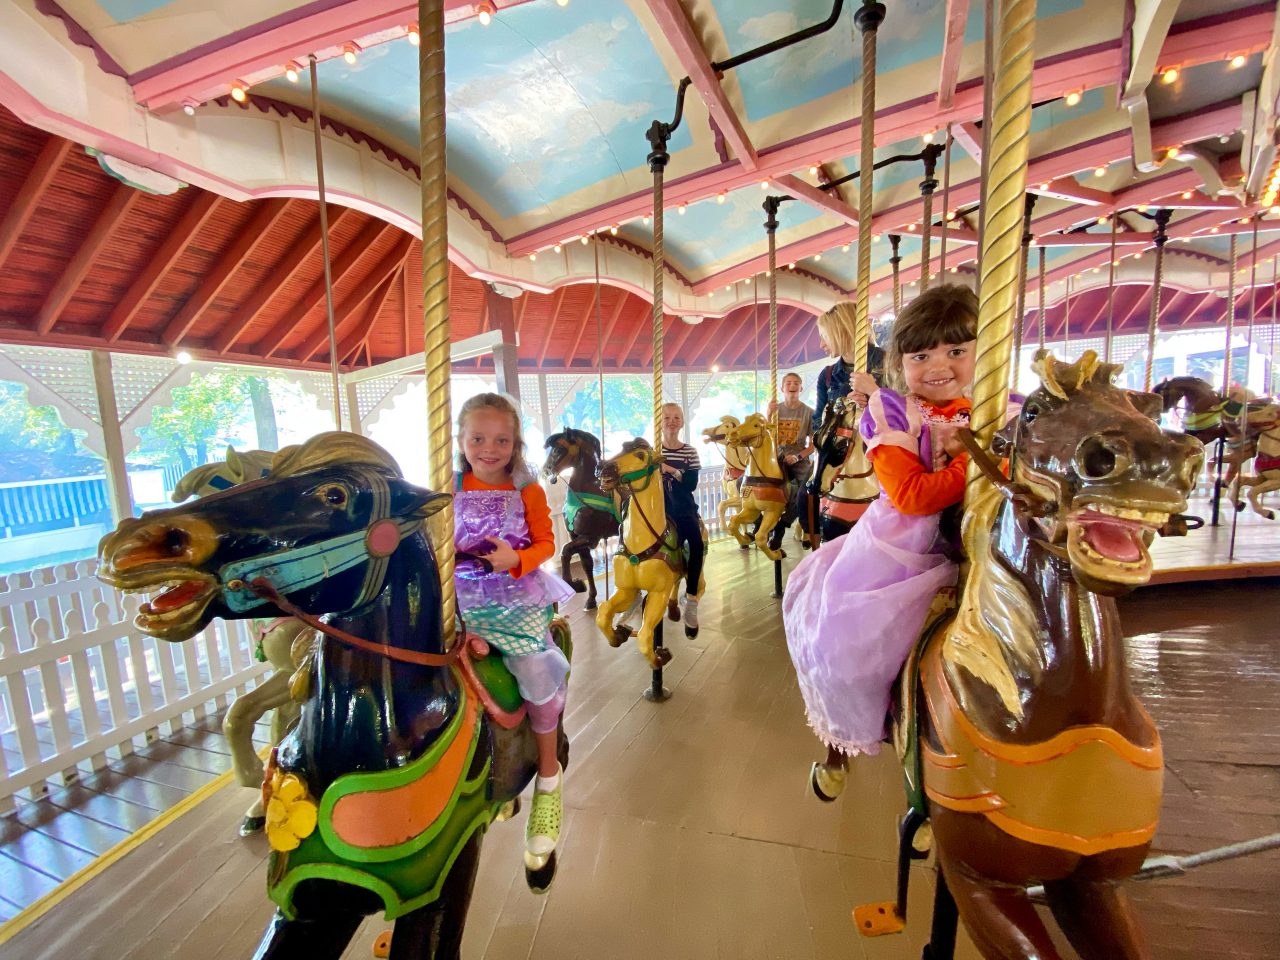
[[112, 438]]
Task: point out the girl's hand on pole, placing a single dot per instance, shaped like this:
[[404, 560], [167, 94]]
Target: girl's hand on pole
[[504, 556], [863, 384]]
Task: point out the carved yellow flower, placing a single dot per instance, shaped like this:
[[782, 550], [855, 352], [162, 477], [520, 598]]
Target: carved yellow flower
[[291, 814]]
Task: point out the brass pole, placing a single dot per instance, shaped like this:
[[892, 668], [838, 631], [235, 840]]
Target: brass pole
[[658, 257], [1153, 321], [1002, 200], [1041, 295], [771, 205], [435, 288], [1111, 293], [595, 246], [1231, 321], [324, 245], [926, 229], [1275, 292], [755, 340], [895, 261], [946, 205], [1066, 319], [868, 18]]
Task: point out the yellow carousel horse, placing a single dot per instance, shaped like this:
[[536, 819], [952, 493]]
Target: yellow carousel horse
[[764, 488], [735, 466], [649, 559]]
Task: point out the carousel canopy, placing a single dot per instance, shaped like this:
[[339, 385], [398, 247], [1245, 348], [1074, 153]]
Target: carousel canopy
[[1140, 107]]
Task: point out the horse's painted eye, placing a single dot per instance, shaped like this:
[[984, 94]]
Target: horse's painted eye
[[1029, 413], [335, 496]]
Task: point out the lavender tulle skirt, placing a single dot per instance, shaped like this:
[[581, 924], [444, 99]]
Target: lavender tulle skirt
[[852, 611]]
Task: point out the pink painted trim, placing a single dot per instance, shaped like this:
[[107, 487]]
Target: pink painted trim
[[207, 71], [80, 36]]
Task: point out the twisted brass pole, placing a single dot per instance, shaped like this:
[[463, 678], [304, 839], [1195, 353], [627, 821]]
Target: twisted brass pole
[[926, 231], [1066, 319], [1002, 199], [1153, 321], [946, 203], [659, 134], [895, 261], [435, 288], [1275, 294], [771, 205], [1111, 293], [868, 18], [1041, 295]]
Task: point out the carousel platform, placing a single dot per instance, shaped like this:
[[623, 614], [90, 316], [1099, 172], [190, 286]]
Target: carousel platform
[[1242, 546], [689, 829]]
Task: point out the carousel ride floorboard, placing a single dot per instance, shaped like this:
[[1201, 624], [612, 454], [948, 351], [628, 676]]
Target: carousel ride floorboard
[[689, 829], [1210, 554]]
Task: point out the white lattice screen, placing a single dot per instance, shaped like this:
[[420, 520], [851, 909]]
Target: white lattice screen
[[66, 373]]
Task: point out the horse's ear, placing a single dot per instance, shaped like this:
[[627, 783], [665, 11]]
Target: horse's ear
[[234, 466], [409, 500], [1148, 404]]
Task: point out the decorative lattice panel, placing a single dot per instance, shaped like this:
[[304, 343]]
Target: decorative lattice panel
[[67, 373], [559, 386], [370, 393], [136, 379]]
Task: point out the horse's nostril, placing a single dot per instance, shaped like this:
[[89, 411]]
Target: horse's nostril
[[176, 542]]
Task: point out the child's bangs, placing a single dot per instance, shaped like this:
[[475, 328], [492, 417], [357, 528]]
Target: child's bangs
[[950, 319]]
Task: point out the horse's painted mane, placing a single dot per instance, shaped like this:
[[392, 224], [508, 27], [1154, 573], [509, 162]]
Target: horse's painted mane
[[337, 448], [238, 467], [639, 443], [577, 436]]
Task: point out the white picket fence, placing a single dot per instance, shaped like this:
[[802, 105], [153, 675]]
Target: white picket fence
[[78, 682]]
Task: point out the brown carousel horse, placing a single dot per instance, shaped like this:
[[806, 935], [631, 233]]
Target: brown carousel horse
[[845, 480], [1035, 761], [590, 514], [1208, 417], [404, 751]]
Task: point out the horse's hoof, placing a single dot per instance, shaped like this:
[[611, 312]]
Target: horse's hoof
[[590, 604], [251, 825], [539, 872], [621, 634], [579, 586], [744, 546], [661, 657], [507, 811], [382, 945]]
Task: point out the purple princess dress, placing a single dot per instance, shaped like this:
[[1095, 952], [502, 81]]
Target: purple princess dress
[[854, 608], [513, 615]]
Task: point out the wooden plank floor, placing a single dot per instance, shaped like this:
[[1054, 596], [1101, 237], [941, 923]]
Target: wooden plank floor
[[689, 832]]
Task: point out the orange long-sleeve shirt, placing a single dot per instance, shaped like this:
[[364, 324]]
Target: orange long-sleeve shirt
[[913, 488], [537, 514]]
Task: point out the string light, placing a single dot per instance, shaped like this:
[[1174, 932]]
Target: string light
[[1143, 208], [813, 170], [817, 257], [485, 11], [845, 248], [722, 196], [1186, 194], [764, 184], [562, 3], [239, 92], [584, 239], [349, 51], [533, 257], [1237, 61], [415, 37], [1169, 75], [614, 230], [646, 219], [189, 109], [715, 368], [291, 71], [1073, 98], [182, 357], [680, 208], [1100, 171], [928, 136], [556, 248]]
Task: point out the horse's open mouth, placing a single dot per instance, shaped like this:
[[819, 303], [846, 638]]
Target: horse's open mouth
[[1109, 543], [177, 603]]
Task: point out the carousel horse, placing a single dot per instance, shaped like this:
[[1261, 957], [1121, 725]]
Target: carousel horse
[[764, 488], [735, 466], [848, 485], [1209, 417], [1024, 742], [649, 559], [589, 513], [276, 640], [1266, 465], [404, 752]]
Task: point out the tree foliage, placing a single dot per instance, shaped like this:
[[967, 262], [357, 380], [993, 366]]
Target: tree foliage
[[628, 409], [201, 418]]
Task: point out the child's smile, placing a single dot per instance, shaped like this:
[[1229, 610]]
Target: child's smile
[[940, 374]]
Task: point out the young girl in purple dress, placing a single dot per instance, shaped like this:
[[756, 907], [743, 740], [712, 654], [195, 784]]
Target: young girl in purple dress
[[500, 513], [854, 608]]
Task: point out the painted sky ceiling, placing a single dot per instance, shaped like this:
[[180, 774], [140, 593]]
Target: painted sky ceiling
[[548, 105]]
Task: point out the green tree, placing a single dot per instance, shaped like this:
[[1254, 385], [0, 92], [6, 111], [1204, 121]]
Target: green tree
[[628, 408], [201, 415], [24, 428]]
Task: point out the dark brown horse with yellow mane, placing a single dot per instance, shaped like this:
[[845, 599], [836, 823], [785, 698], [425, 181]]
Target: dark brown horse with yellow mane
[[1036, 762]]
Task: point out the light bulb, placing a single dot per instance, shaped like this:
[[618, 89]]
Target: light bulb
[[646, 219], [1169, 75], [721, 197], [562, 3], [1186, 194], [533, 256], [1237, 61], [764, 184], [614, 229], [813, 170], [415, 38], [485, 11], [1100, 171], [182, 357], [556, 248], [715, 368], [817, 257], [238, 92], [928, 137], [680, 208], [189, 109], [1073, 98], [349, 51], [291, 71], [845, 248]]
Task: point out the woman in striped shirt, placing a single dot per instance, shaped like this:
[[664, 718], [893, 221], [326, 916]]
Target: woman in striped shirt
[[680, 466]]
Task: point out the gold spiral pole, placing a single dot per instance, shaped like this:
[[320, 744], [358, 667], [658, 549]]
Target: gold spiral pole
[[868, 18], [946, 203], [1153, 319], [1041, 295], [657, 304], [1111, 293], [755, 341], [1275, 294], [435, 289], [1003, 201], [895, 261], [771, 205], [926, 237], [1066, 320]]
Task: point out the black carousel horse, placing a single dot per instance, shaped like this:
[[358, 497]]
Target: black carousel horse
[[589, 512], [405, 752]]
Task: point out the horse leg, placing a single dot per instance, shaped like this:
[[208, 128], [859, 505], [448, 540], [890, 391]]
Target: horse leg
[[574, 546], [435, 932], [611, 607], [588, 562], [1098, 918], [1257, 491], [744, 518], [1001, 919], [772, 514], [655, 606], [238, 726], [325, 925]]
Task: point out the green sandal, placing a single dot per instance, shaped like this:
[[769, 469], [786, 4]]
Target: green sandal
[[543, 830]]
